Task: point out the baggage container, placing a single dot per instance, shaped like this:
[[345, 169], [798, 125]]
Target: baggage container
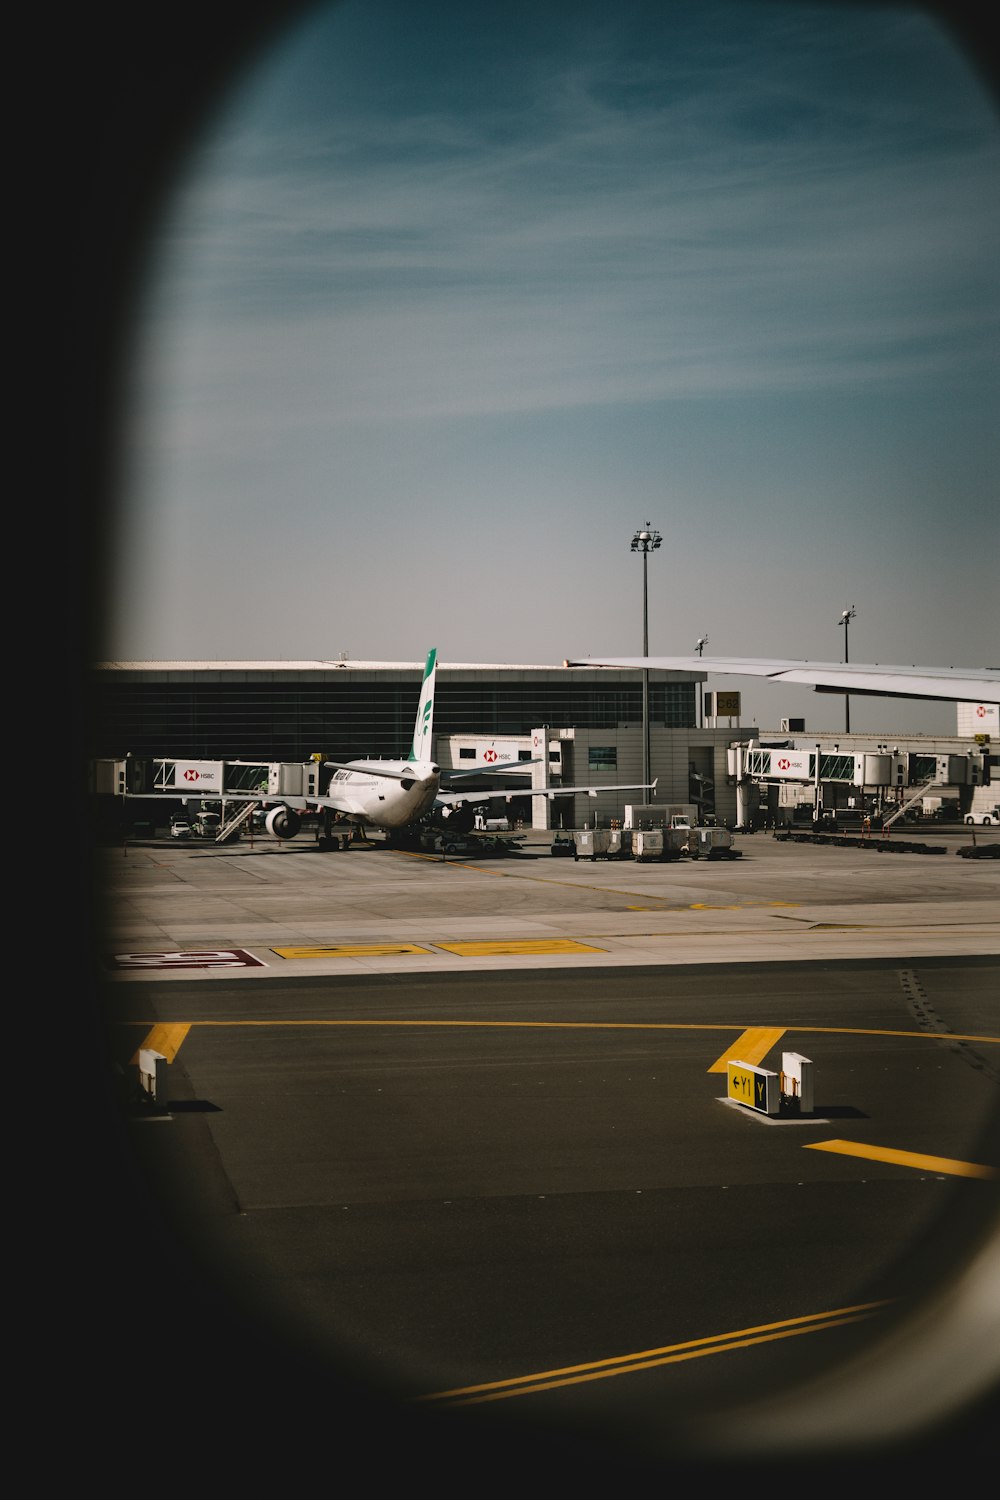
[[647, 844], [603, 843], [712, 843], [678, 840]]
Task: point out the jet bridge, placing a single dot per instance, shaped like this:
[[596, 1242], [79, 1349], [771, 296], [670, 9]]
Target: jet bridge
[[752, 765]]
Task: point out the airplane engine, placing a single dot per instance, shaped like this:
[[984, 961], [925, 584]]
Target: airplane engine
[[461, 817], [283, 822]]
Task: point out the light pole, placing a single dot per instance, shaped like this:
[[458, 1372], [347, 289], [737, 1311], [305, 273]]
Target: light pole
[[699, 646], [645, 541], [845, 620]]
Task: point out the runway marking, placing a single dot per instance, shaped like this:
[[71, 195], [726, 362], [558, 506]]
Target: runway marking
[[921, 1036], [196, 958], [166, 1038], [478, 948], [352, 950], [704, 906], [648, 1359], [736, 905], [524, 945], [914, 1159], [751, 1047]]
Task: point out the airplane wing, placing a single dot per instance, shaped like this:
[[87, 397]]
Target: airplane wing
[[343, 801], [955, 684], [455, 799], [500, 770], [394, 770]]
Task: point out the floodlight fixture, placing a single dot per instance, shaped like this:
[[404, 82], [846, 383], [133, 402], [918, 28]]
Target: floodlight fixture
[[645, 541], [845, 619]]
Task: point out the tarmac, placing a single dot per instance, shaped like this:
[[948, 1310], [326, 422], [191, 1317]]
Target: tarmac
[[374, 909], [530, 1174]]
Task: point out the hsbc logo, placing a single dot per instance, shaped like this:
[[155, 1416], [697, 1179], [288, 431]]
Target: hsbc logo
[[784, 765]]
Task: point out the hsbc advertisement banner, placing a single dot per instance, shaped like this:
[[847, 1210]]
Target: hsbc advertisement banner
[[979, 718], [496, 753], [198, 775], [793, 764]]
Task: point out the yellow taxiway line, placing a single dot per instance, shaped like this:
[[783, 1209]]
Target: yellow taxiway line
[[647, 1359], [917, 1159]]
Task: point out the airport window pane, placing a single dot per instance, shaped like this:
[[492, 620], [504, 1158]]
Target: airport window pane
[[270, 717]]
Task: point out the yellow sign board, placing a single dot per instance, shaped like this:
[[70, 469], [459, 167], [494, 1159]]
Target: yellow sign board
[[727, 705], [757, 1088]]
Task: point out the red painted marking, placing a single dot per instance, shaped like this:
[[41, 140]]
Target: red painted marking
[[210, 958]]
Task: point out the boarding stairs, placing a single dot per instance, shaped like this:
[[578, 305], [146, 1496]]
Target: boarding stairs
[[921, 791], [230, 829]]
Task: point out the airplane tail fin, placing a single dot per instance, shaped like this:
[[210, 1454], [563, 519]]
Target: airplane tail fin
[[423, 728]]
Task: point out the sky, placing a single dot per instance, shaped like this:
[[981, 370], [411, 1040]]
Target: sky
[[447, 301]]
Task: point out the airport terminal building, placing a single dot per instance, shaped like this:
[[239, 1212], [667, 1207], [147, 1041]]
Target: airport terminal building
[[589, 720], [571, 726]]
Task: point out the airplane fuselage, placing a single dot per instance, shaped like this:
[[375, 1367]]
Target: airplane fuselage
[[393, 797]]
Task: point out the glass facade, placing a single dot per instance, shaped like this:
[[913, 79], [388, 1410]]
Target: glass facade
[[267, 716]]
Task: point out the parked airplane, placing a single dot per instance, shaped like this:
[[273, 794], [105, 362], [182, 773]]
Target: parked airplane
[[956, 684], [395, 794]]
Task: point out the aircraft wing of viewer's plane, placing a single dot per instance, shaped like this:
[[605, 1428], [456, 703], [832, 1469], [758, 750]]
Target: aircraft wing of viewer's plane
[[954, 684]]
